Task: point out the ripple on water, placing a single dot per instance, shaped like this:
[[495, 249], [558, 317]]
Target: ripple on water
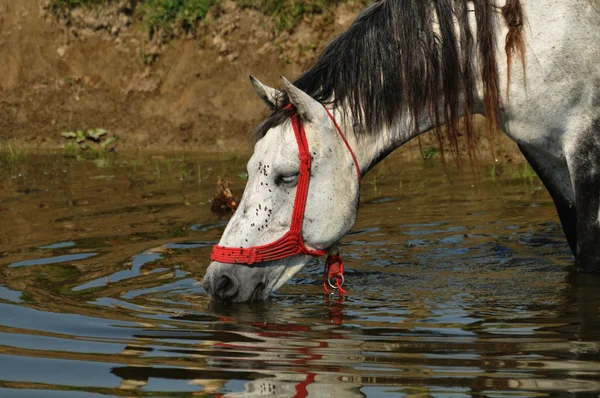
[[454, 291]]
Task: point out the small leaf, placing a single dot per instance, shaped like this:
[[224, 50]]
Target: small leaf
[[243, 176], [95, 134], [107, 142], [69, 134]]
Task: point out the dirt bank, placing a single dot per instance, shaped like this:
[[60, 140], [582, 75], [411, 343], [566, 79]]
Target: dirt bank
[[94, 71]]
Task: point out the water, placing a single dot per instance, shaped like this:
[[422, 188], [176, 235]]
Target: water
[[455, 288]]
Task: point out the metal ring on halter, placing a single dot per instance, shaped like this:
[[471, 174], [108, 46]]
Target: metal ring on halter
[[333, 285]]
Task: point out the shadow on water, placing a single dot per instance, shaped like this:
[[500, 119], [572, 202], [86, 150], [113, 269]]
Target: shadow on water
[[455, 289]]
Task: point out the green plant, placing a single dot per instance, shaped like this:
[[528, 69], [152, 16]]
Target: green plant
[[71, 149], [163, 15], [429, 153], [13, 156], [67, 4], [373, 182], [526, 174], [166, 16], [492, 172], [94, 142], [287, 13]]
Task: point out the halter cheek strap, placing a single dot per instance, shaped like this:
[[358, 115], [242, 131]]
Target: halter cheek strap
[[291, 243]]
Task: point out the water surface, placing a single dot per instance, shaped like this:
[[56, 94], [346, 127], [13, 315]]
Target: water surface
[[460, 287]]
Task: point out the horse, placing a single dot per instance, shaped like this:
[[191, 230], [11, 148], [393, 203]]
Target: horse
[[402, 68]]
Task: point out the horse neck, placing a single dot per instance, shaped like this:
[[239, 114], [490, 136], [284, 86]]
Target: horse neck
[[373, 146]]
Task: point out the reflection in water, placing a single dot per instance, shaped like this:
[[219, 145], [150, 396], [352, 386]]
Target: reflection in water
[[454, 290]]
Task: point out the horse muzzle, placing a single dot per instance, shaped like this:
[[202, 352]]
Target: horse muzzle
[[238, 283]]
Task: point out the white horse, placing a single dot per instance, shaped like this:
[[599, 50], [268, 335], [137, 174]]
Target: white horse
[[405, 67]]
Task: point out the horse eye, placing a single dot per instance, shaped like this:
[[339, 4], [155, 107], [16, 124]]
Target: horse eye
[[288, 180]]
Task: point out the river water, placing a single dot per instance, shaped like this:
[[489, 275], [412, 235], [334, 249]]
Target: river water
[[457, 286]]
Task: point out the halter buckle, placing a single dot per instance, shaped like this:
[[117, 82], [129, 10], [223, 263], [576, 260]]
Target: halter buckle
[[333, 285]]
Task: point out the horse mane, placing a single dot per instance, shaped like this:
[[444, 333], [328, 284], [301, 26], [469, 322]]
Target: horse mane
[[392, 58]]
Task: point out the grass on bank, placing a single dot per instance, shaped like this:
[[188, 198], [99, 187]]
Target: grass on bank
[[75, 3], [288, 13], [163, 15]]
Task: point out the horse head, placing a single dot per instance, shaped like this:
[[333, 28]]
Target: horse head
[[306, 152]]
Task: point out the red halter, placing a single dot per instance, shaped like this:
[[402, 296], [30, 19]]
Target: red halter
[[291, 243]]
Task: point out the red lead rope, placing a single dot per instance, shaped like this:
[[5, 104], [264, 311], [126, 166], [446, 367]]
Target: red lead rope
[[333, 274], [291, 243]]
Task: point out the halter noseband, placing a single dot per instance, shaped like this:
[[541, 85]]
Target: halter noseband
[[291, 243]]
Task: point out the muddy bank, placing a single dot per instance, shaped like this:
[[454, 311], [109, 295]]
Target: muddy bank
[[95, 73], [99, 69]]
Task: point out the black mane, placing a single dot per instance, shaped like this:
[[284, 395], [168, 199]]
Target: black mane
[[392, 58]]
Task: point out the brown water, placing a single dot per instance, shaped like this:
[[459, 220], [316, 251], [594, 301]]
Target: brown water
[[455, 289]]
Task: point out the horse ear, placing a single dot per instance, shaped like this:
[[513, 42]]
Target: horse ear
[[269, 95], [308, 108]]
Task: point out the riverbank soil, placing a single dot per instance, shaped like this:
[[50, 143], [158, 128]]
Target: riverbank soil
[[98, 68]]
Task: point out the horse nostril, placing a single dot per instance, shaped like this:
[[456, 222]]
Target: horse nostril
[[226, 288]]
